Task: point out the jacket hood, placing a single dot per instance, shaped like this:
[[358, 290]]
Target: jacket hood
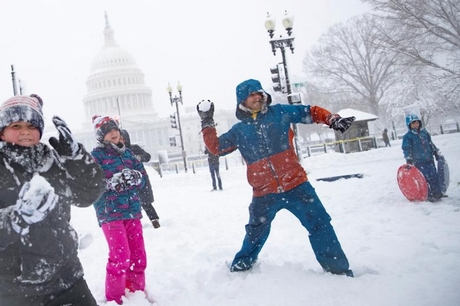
[[125, 135], [243, 90], [411, 118]]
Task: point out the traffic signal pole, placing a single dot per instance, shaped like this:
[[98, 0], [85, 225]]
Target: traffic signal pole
[[178, 100], [287, 89], [281, 43]]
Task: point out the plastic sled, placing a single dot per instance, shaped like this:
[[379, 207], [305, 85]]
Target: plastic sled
[[412, 183]]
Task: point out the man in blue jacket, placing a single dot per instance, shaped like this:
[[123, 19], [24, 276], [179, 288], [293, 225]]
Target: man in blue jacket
[[265, 140]]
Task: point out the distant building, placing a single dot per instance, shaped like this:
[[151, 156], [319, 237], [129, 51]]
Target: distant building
[[116, 87], [359, 129]]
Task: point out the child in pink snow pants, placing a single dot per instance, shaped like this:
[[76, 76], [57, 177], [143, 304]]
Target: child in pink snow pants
[[127, 259], [118, 211]]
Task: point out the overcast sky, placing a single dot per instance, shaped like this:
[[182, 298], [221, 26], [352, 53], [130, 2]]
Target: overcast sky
[[208, 45]]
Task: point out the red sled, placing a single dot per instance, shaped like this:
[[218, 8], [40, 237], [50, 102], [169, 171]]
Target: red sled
[[412, 183]]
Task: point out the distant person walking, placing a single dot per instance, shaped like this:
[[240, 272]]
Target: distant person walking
[[213, 162], [386, 139], [146, 193]]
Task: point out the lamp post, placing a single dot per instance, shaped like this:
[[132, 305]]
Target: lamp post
[[283, 43], [176, 100], [13, 78]]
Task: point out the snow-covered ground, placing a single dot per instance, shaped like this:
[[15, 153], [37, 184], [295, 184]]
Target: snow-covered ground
[[402, 253]]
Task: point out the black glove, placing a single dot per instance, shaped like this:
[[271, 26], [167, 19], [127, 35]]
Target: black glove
[[340, 124], [206, 111], [67, 146], [438, 155], [36, 200], [409, 161], [156, 223]]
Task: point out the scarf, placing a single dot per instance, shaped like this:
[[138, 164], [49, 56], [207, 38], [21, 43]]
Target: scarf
[[37, 158], [117, 147]]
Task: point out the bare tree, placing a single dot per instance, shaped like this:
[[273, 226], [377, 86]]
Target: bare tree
[[414, 87], [348, 59], [427, 31]]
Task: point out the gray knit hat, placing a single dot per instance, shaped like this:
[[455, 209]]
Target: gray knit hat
[[22, 108]]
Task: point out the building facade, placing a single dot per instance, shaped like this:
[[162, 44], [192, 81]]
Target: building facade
[[116, 87]]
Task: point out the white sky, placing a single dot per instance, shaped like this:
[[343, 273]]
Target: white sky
[[209, 45], [402, 253]]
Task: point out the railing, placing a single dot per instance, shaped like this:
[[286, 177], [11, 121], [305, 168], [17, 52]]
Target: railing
[[447, 128], [343, 146], [195, 164]]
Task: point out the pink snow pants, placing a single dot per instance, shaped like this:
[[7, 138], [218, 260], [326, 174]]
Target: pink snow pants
[[127, 258]]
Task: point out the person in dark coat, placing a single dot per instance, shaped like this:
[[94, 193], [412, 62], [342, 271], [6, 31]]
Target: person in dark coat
[[419, 149], [386, 139], [39, 262], [213, 162], [146, 194], [265, 140]]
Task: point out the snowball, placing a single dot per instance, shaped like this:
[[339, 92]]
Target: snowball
[[37, 188], [204, 105]]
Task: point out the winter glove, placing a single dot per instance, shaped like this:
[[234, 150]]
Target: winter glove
[[409, 161], [67, 146], [340, 124], [156, 223], [206, 111], [116, 183], [36, 200], [438, 155], [131, 177], [125, 179]]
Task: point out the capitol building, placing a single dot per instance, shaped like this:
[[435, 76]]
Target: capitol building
[[116, 87]]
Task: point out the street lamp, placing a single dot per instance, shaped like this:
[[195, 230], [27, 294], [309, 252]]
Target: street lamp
[[283, 43], [176, 100]]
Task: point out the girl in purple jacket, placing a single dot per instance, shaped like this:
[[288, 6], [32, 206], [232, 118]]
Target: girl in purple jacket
[[119, 211]]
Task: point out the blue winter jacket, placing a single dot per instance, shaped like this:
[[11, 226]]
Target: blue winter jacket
[[125, 204], [265, 140], [417, 144]]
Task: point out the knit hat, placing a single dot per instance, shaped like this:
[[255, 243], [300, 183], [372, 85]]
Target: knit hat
[[22, 108], [103, 125]]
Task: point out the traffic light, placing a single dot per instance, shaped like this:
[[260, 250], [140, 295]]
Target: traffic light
[[173, 121], [279, 78], [275, 75], [172, 141]]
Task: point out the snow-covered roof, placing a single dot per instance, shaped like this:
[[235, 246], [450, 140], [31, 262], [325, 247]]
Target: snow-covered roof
[[360, 116]]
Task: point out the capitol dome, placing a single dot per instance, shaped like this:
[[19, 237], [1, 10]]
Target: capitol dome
[[116, 85], [112, 56]]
